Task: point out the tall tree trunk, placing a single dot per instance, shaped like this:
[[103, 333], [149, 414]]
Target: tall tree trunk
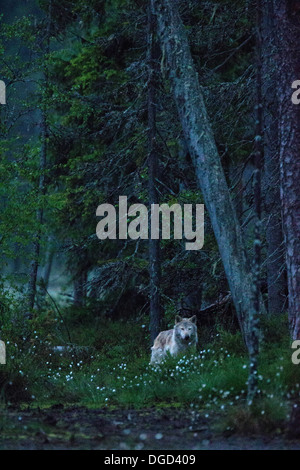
[[209, 172], [274, 236], [258, 156], [31, 289], [80, 289], [154, 245], [288, 34]]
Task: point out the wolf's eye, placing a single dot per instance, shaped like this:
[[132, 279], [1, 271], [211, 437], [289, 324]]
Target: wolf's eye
[[181, 328], [189, 328]]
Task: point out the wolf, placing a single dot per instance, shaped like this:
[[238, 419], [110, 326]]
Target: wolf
[[181, 338]]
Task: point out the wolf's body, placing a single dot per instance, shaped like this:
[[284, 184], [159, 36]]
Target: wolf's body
[[181, 338]]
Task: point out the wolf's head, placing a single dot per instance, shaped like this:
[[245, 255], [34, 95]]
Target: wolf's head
[[186, 329]]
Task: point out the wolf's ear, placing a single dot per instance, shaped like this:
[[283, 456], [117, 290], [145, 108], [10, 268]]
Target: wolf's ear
[[193, 319], [178, 319]]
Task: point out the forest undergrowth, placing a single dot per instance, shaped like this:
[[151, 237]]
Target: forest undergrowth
[[90, 361]]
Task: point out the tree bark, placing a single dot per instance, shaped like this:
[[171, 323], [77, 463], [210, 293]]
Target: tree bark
[[274, 236], [202, 147], [254, 331], [288, 34], [31, 289], [154, 245]]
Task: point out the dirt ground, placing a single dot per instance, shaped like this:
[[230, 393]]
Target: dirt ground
[[148, 429]]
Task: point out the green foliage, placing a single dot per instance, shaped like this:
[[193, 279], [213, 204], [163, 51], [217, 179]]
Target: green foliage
[[92, 84], [232, 342], [275, 329], [108, 365]]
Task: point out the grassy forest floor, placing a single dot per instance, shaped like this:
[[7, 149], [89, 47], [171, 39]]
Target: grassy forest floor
[[99, 391]]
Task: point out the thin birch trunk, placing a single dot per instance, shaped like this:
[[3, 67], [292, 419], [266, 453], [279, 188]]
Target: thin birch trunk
[[31, 288]]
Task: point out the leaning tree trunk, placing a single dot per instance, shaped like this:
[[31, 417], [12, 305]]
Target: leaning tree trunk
[[288, 34], [202, 147], [274, 236], [154, 246]]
